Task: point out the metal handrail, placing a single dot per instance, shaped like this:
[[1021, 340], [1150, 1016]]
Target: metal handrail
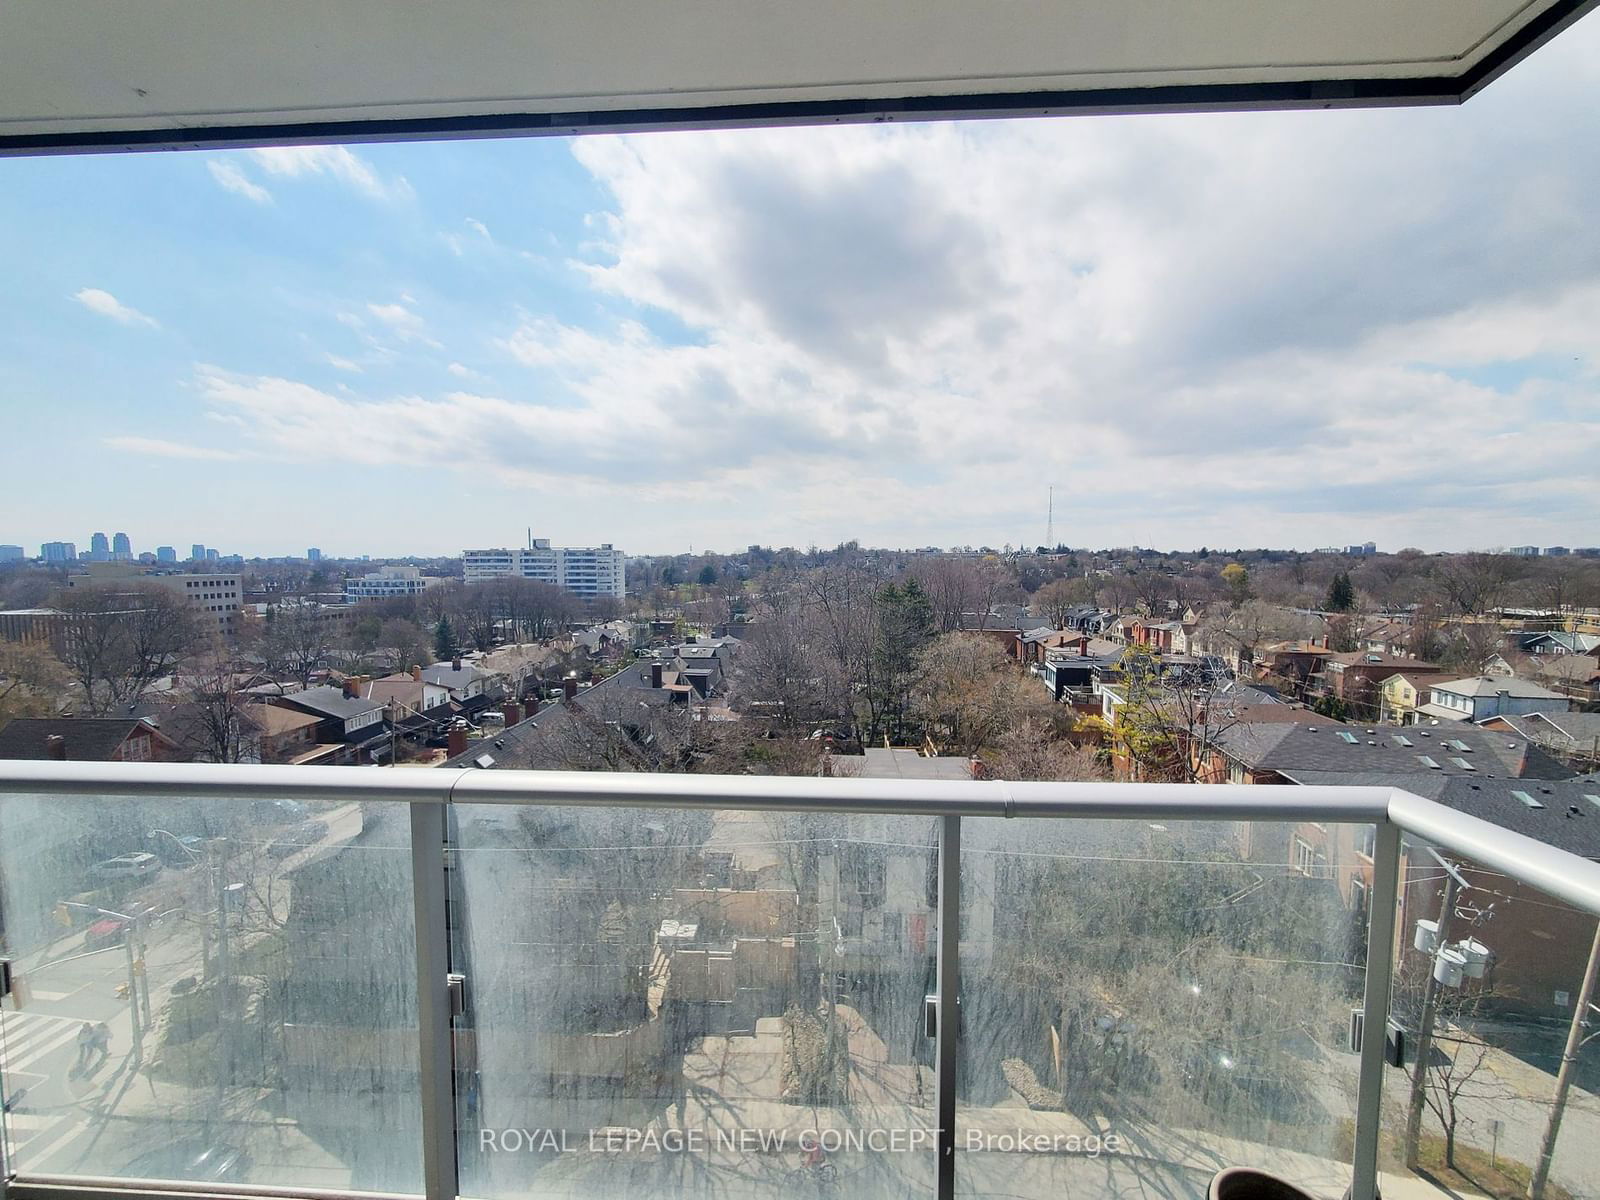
[[1558, 872]]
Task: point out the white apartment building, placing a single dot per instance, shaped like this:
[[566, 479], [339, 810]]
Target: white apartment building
[[386, 583], [584, 571]]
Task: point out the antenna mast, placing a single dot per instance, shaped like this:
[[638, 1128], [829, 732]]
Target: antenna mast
[[1050, 521]]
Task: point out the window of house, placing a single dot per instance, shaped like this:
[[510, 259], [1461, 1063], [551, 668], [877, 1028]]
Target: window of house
[[1303, 856]]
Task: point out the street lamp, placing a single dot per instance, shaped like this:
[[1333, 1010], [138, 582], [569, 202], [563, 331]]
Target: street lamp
[[130, 932]]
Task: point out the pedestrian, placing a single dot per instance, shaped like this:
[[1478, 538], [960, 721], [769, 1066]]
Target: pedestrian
[[86, 1040], [101, 1041]]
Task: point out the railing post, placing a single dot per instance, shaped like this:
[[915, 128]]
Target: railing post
[[1375, 1009], [435, 1060], [948, 1032]]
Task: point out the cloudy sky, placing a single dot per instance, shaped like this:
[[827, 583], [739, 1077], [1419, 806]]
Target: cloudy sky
[[1261, 329]]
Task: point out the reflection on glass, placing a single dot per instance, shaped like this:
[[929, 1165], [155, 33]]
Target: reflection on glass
[[210, 991], [1148, 1003], [693, 1003], [1487, 984]]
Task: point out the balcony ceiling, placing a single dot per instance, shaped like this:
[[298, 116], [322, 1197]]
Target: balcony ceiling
[[113, 74]]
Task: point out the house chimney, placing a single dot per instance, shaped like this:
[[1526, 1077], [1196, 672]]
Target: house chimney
[[455, 663], [512, 712], [569, 686], [655, 674], [1083, 647], [456, 737], [530, 706], [416, 673], [352, 688], [55, 746]]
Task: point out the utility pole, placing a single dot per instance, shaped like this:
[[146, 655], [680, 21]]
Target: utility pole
[[1430, 1003], [1569, 1067]]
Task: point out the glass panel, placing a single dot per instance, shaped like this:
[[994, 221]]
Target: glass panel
[[1146, 1004], [1503, 967], [125, 1056], [693, 1003]]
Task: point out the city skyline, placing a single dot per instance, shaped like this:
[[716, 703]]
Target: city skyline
[[1269, 329]]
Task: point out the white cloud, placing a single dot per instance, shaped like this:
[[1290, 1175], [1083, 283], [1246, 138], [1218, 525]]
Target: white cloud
[[161, 448], [107, 305], [1255, 329], [342, 364], [231, 176], [401, 322], [335, 162]]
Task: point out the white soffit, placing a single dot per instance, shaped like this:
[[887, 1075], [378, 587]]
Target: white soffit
[[110, 74]]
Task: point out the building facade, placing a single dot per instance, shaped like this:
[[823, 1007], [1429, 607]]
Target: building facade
[[584, 571], [215, 597], [386, 584]]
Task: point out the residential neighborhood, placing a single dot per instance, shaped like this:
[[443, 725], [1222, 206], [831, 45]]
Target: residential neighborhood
[[720, 940]]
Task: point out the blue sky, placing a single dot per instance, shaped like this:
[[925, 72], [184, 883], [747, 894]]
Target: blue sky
[[1279, 329]]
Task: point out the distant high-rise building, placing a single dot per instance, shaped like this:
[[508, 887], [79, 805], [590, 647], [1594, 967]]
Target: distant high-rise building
[[99, 548], [1524, 551], [1556, 551], [59, 552], [586, 571], [314, 555], [166, 554], [121, 548], [212, 554], [197, 553], [10, 553]]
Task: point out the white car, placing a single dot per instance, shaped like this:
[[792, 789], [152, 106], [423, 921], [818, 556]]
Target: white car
[[128, 866]]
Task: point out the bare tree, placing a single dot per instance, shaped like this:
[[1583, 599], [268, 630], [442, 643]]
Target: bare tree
[[117, 641], [209, 718], [1475, 583], [968, 692], [1251, 626], [1033, 748], [782, 675], [297, 640]]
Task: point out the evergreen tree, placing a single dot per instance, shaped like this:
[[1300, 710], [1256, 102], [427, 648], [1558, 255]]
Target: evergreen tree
[[905, 623], [444, 640], [1341, 595]]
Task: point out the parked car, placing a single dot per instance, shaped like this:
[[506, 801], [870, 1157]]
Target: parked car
[[107, 931], [127, 866]]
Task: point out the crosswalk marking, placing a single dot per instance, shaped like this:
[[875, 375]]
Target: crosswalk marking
[[27, 1037]]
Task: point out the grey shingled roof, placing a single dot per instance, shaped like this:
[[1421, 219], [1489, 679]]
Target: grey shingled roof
[[544, 740], [1293, 749], [331, 702], [1580, 727], [1568, 820], [1493, 685]]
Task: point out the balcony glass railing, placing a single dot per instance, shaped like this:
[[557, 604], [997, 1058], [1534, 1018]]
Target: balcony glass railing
[[503, 984]]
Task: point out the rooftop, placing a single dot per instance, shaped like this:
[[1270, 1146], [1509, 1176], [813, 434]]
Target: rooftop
[[896, 763], [1494, 685], [1395, 752]]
